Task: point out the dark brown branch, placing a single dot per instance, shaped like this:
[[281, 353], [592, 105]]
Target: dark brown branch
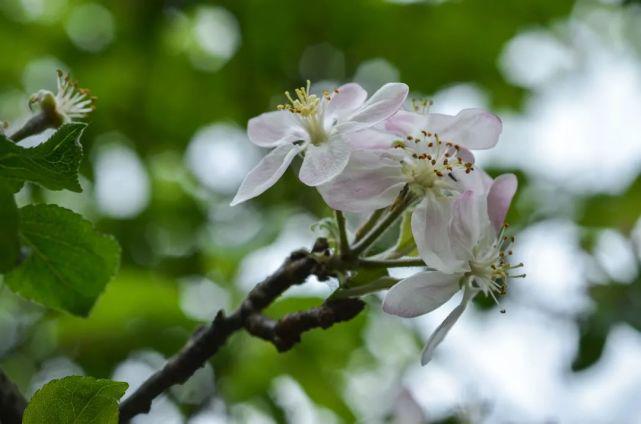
[[206, 342], [287, 331], [12, 403]]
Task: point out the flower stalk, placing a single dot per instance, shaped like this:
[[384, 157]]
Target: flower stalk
[[403, 201], [344, 249]]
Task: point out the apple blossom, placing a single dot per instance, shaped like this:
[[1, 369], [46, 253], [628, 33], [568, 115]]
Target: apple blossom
[[321, 128], [68, 104], [432, 158], [462, 238]]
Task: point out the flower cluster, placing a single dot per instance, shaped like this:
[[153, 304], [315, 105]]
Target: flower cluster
[[369, 155]]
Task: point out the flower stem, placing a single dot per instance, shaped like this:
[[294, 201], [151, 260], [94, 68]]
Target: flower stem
[[402, 202], [342, 234], [367, 226], [37, 124], [391, 263]]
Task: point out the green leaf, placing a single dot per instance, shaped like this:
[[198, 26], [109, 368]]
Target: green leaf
[[69, 262], [53, 164], [9, 241], [77, 400]]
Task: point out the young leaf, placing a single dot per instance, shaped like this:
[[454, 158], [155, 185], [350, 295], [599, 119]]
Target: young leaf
[[53, 164], [405, 244], [9, 242], [68, 264], [76, 400]]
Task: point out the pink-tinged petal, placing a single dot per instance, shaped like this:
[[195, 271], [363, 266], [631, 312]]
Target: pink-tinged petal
[[370, 139], [469, 222], [500, 197], [473, 128], [404, 123], [273, 128], [466, 154], [266, 173], [349, 97], [441, 331], [383, 104], [420, 293], [430, 222], [477, 181], [371, 180], [324, 162]]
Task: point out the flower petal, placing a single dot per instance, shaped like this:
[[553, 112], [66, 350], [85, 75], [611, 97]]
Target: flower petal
[[477, 181], [430, 222], [324, 162], [469, 222], [500, 197], [383, 104], [273, 128], [420, 293], [370, 139], [472, 128], [441, 331], [404, 123], [349, 97], [371, 180], [266, 173]]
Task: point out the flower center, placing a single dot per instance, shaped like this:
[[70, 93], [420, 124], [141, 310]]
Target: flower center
[[305, 104], [492, 268], [428, 162], [69, 103], [311, 110]]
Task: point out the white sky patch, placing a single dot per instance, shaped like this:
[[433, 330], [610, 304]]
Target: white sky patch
[[297, 405], [217, 36], [91, 27], [580, 129], [122, 186], [511, 363], [451, 100], [52, 369], [201, 298], [534, 57], [614, 253], [373, 73], [555, 268], [220, 155], [610, 391], [262, 262]]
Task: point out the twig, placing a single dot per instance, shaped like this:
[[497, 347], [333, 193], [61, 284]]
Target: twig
[[286, 332], [12, 403]]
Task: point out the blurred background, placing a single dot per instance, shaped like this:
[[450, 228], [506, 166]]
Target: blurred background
[[166, 149]]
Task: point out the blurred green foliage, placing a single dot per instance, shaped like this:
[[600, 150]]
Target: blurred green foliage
[[149, 90]]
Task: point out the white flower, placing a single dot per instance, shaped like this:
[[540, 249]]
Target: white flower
[[462, 239], [320, 127], [432, 158], [70, 103]]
